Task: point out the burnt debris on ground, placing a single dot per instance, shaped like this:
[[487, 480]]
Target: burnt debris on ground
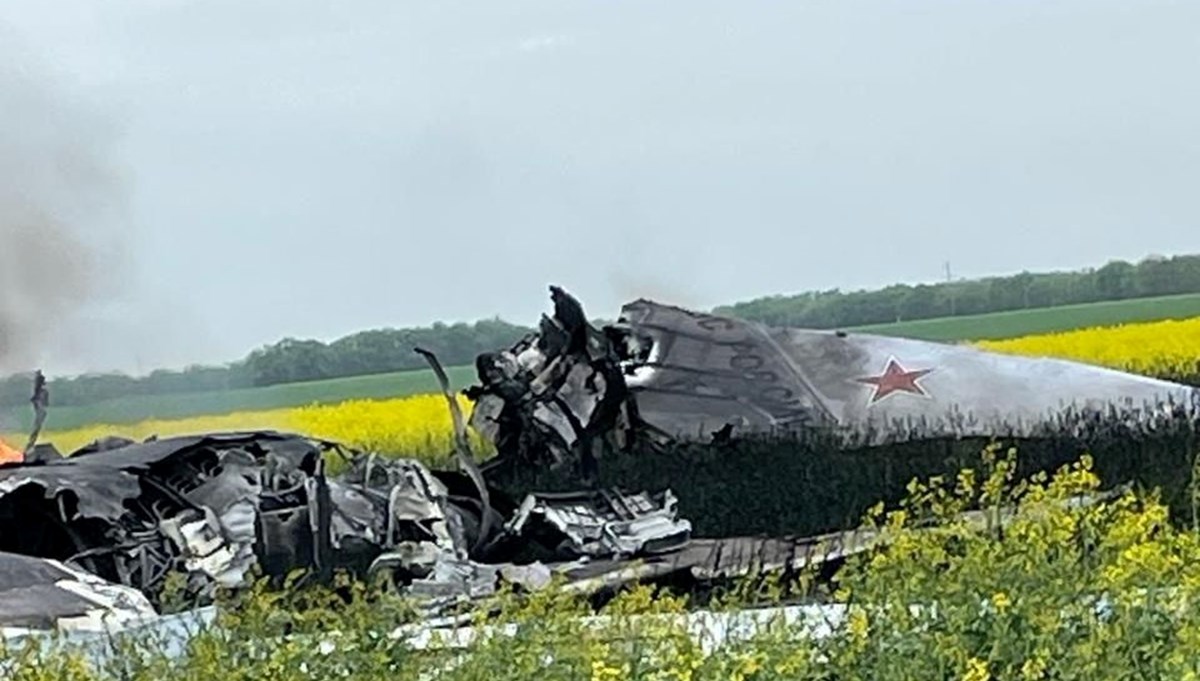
[[216, 509]]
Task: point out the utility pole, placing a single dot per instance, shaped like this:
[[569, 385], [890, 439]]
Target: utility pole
[[950, 288]]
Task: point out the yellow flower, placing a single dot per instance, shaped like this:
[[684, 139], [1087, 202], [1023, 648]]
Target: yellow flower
[[1034, 668], [858, 624], [977, 670], [603, 671], [1001, 601], [748, 664]]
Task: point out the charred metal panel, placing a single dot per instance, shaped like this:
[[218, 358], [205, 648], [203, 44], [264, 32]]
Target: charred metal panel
[[695, 374], [39, 594], [603, 523]]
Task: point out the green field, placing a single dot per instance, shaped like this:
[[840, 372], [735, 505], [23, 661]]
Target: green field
[[999, 325], [140, 408]]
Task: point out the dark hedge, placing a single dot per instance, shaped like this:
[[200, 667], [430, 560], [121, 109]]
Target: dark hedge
[[803, 486]]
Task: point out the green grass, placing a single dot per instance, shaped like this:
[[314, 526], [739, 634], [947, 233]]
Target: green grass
[[1018, 323], [140, 408]]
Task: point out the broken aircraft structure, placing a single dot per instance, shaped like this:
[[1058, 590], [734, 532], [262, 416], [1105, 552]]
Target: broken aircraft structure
[[663, 373], [213, 509], [122, 517]]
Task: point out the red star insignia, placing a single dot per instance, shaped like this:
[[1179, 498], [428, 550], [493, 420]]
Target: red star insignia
[[895, 379]]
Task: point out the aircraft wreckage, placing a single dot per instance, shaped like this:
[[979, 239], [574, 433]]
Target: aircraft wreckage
[[97, 534]]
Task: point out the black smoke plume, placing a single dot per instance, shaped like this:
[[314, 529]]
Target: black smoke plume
[[61, 200]]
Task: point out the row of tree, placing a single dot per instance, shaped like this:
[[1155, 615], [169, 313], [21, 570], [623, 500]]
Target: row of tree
[[384, 350], [1118, 280], [288, 361]]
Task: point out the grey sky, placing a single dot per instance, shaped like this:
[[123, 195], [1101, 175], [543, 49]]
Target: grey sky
[[314, 168]]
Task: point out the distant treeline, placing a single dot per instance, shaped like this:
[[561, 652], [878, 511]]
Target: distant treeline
[[385, 350], [288, 361], [1118, 280]]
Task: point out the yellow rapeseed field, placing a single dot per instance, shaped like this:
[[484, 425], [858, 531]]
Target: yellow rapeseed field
[[1167, 349], [411, 426], [70, 440]]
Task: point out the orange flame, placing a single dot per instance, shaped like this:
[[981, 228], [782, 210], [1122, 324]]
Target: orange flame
[[9, 454]]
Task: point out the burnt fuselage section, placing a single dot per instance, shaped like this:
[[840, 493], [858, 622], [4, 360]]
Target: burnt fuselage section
[[213, 507]]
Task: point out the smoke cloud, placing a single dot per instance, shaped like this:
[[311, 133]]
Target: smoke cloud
[[61, 201], [627, 285]]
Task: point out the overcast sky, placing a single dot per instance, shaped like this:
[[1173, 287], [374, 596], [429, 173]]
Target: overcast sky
[[301, 168]]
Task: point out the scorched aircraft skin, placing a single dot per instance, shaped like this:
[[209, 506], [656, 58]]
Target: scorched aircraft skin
[[702, 373]]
